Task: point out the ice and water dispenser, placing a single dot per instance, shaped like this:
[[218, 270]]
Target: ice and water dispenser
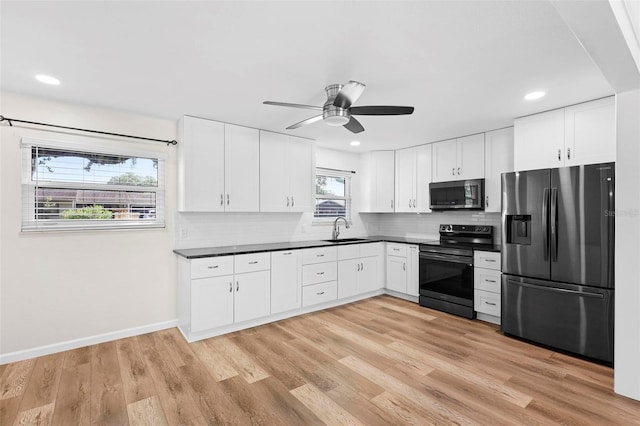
[[519, 229]]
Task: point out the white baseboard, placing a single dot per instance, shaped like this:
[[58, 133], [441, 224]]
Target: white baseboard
[[399, 295], [85, 341]]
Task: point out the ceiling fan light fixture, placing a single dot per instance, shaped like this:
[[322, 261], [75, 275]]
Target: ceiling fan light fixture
[[336, 120]]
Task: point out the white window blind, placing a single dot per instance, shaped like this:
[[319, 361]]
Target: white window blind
[[333, 195], [65, 186]]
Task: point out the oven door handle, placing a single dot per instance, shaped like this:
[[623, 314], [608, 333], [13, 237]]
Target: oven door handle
[[453, 259]]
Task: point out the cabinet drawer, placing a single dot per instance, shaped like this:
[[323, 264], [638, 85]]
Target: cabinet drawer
[[397, 250], [318, 255], [487, 280], [486, 259], [211, 267], [252, 262], [348, 251], [370, 249], [487, 303], [319, 293], [319, 273]]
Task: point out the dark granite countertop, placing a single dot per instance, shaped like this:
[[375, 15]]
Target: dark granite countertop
[[196, 253]]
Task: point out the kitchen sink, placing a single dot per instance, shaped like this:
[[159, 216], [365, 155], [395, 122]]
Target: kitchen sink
[[346, 240]]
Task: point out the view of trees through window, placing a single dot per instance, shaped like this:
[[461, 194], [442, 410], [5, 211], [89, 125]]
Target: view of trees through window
[[331, 196]]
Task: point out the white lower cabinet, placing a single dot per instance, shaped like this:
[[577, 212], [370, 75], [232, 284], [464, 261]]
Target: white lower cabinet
[[358, 269], [220, 291], [402, 268], [487, 286], [286, 281], [319, 275]]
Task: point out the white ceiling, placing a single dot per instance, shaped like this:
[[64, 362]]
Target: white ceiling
[[464, 66]]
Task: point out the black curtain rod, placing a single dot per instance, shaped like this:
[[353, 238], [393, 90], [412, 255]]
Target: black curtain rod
[[338, 170], [11, 120]]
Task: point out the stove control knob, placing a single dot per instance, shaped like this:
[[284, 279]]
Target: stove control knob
[[449, 228]]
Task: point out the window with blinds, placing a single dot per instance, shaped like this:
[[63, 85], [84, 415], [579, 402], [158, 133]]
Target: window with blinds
[[64, 187], [333, 195]]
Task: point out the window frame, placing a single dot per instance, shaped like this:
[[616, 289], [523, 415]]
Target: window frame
[[348, 176], [29, 187]]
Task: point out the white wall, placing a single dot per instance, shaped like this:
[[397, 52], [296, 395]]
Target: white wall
[[627, 258], [58, 287], [229, 229]]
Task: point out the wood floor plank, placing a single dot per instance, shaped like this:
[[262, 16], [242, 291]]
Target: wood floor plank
[[108, 404], [37, 416], [146, 412], [376, 361], [73, 402], [324, 407], [136, 379], [177, 403], [15, 378], [43, 383]]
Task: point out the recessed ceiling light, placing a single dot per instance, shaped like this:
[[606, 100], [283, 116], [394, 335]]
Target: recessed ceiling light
[[47, 79], [533, 95], [354, 143]]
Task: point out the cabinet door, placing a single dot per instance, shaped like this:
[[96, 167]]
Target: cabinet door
[[405, 180], [539, 141], [384, 178], [348, 271], [286, 281], [444, 161], [590, 132], [498, 159], [274, 178], [301, 174], [242, 169], [252, 295], [423, 178], [470, 155], [211, 302], [413, 279], [201, 165], [368, 278], [397, 274]]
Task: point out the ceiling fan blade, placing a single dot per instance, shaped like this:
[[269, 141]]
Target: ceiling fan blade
[[349, 93], [305, 122], [285, 104], [354, 126], [381, 110]]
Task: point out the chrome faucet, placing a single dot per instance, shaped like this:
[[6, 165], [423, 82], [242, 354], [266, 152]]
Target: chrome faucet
[[336, 228]]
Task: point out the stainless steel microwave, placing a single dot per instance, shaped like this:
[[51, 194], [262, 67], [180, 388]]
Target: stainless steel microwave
[[458, 194]]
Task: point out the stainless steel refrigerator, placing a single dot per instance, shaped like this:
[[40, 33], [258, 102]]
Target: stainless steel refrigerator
[[557, 258]]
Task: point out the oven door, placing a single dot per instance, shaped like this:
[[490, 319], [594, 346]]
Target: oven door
[[447, 278]]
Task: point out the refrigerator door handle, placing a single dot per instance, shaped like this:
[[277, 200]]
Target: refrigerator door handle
[[545, 223], [553, 218], [558, 290]]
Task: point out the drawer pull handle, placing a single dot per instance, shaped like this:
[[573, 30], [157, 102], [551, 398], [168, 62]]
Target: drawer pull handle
[[490, 303], [319, 273], [490, 281], [286, 254], [237, 285], [230, 287], [490, 260], [319, 255], [253, 263], [395, 249], [320, 293], [212, 267]]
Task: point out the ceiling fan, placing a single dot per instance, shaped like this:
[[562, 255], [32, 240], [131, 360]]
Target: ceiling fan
[[337, 110]]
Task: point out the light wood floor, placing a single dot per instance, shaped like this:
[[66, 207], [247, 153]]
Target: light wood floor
[[378, 361]]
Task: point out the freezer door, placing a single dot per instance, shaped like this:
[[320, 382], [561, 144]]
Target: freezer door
[[569, 317], [581, 205], [525, 243]]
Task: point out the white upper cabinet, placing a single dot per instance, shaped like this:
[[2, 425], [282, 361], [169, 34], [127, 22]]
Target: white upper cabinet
[[498, 159], [459, 159], [218, 167], [242, 166], [413, 175], [201, 165], [590, 132], [378, 188], [286, 173], [575, 135]]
